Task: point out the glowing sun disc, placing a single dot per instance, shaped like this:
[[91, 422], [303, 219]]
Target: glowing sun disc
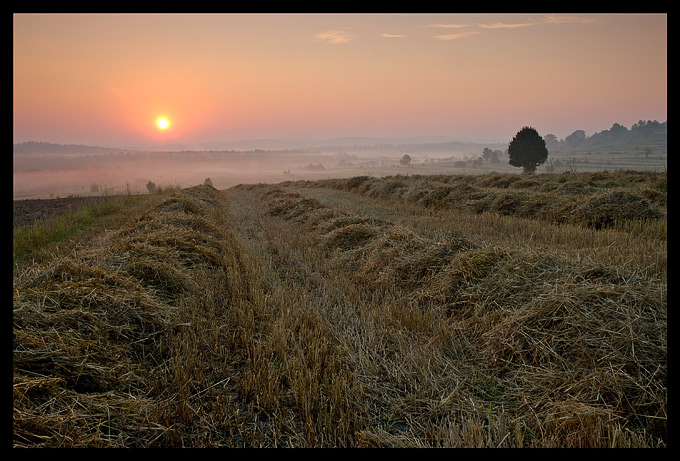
[[162, 123]]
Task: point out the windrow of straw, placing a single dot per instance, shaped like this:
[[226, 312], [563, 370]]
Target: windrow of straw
[[596, 200], [93, 330], [572, 346]]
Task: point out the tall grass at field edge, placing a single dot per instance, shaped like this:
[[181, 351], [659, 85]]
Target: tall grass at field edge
[[29, 238]]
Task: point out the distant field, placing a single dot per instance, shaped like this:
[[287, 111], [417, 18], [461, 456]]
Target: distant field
[[407, 309], [36, 176]]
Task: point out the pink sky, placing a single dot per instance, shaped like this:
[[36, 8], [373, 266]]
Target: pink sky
[[105, 79]]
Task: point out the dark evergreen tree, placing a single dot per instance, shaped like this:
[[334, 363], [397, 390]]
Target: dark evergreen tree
[[527, 150]]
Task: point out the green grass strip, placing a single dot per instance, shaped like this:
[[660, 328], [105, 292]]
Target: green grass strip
[[30, 238]]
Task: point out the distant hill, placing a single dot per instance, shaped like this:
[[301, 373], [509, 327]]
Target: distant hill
[[48, 148], [363, 143], [641, 136]]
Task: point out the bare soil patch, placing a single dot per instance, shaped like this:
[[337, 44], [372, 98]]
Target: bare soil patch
[[27, 211]]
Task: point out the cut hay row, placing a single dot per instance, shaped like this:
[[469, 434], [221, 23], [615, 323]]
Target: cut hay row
[[259, 316], [572, 349], [596, 200], [95, 331]]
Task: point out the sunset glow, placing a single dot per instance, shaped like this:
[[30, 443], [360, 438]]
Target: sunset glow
[[289, 76], [162, 123]]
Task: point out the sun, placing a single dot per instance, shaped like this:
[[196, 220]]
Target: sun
[[162, 123]]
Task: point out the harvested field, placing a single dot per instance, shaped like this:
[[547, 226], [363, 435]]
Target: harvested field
[[356, 313], [598, 200], [96, 331]]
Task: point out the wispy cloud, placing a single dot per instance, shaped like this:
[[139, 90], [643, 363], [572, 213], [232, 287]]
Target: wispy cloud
[[504, 25], [335, 37], [568, 19], [456, 36], [449, 26], [455, 31], [547, 19]]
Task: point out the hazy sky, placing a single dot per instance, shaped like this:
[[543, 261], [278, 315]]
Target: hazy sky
[[105, 79]]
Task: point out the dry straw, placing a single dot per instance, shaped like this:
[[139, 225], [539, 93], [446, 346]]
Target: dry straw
[[596, 200], [93, 329], [173, 331], [577, 348]]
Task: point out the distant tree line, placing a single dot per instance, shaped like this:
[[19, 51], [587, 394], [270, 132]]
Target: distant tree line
[[529, 150], [46, 148], [492, 156], [641, 132]]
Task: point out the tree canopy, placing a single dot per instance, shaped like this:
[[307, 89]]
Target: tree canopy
[[643, 134], [527, 150]]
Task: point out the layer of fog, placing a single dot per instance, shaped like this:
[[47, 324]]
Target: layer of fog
[[44, 170], [47, 175]]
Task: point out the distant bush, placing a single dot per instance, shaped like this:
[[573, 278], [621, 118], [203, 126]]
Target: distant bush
[[405, 160], [312, 167]]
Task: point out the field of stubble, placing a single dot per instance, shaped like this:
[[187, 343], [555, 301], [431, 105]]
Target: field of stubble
[[495, 310]]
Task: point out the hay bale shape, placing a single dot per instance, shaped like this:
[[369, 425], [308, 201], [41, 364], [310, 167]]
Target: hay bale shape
[[605, 210], [91, 328], [350, 236]]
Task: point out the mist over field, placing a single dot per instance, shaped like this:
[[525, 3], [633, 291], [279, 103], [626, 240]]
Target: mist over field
[[47, 170], [118, 171]]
